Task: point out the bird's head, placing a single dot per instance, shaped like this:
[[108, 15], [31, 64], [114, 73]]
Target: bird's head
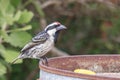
[[54, 27]]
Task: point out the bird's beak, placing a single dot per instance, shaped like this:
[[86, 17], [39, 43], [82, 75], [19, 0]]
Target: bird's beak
[[61, 27]]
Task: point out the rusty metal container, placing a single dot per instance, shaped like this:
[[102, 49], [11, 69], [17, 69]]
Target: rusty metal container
[[107, 67]]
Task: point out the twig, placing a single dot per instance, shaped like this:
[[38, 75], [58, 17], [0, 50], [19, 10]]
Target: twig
[[49, 3], [56, 52], [26, 3], [43, 22], [38, 8]]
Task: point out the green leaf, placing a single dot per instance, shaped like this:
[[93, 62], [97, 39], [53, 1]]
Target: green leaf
[[2, 77], [17, 15], [4, 5], [10, 9], [10, 55], [27, 27], [38, 8], [109, 45], [2, 69], [2, 20], [15, 3], [2, 49], [19, 39], [9, 19], [6, 12], [25, 17], [4, 35]]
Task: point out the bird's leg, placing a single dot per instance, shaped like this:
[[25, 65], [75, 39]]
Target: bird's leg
[[44, 60]]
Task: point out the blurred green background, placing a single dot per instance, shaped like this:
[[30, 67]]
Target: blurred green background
[[93, 28]]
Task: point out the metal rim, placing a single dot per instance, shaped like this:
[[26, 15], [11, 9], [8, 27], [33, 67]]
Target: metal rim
[[76, 75]]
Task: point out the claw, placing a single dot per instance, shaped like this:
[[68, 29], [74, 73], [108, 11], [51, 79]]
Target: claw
[[44, 60]]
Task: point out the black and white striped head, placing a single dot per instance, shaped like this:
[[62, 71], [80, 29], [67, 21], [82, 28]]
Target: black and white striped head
[[54, 27]]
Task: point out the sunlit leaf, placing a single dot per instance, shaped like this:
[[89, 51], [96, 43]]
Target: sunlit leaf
[[27, 27], [10, 55], [2, 69], [19, 39], [2, 49], [17, 15], [4, 35], [25, 17], [6, 12], [10, 9], [39, 9], [9, 19], [4, 5]]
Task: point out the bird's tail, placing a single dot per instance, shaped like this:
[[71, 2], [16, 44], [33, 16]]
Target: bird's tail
[[14, 60]]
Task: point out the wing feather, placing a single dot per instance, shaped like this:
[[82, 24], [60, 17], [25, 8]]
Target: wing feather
[[38, 39], [28, 46]]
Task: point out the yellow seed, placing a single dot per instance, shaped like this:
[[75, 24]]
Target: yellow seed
[[84, 71]]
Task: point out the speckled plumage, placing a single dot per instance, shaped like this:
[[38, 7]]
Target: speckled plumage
[[37, 50], [42, 43]]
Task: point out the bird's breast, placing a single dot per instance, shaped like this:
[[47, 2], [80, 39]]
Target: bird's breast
[[39, 50], [43, 49]]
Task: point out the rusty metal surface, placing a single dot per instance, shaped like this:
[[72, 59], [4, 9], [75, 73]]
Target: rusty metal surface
[[65, 66], [116, 75]]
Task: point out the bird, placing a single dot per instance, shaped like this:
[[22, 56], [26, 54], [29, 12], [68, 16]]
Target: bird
[[41, 43]]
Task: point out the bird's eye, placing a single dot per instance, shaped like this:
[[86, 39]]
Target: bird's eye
[[52, 27], [57, 25]]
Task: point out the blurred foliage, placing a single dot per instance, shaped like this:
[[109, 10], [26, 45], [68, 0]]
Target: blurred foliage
[[93, 28]]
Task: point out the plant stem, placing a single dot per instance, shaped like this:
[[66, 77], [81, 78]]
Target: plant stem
[[4, 27], [38, 8], [26, 3]]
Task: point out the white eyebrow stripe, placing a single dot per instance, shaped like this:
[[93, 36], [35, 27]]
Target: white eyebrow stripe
[[52, 24]]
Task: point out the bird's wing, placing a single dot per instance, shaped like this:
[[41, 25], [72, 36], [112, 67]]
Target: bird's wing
[[40, 37], [28, 46]]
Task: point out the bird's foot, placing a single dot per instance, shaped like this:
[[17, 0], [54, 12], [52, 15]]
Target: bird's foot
[[44, 60]]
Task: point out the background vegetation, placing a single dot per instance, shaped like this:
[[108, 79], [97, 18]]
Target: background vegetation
[[93, 28]]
